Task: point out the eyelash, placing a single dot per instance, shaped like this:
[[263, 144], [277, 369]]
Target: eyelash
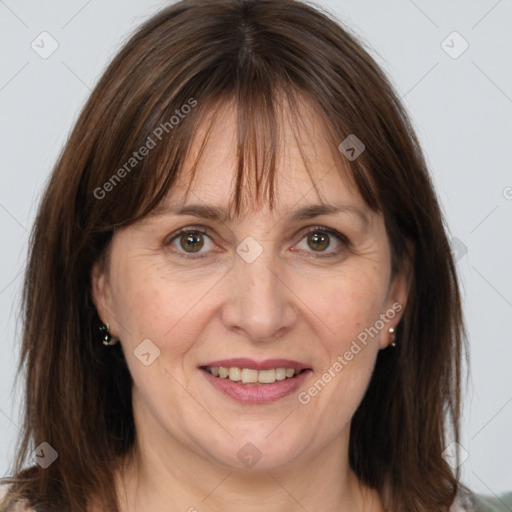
[[344, 241]]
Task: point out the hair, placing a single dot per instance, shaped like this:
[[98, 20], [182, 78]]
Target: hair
[[200, 55]]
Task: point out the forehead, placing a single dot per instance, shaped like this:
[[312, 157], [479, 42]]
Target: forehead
[[308, 166]]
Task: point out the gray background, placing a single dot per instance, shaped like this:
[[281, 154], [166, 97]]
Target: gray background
[[461, 108]]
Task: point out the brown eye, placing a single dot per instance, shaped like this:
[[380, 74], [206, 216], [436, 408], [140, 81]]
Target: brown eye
[[323, 241], [318, 240], [192, 241]]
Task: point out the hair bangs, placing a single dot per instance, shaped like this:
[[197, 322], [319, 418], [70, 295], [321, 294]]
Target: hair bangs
[[260, 116]]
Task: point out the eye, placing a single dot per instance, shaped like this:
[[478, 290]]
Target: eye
[[318, 239], [190, 241]]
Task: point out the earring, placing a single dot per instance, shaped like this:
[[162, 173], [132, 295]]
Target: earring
[[393, 336], [105, 335]]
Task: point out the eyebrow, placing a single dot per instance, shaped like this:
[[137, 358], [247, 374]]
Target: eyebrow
[[220, 214]]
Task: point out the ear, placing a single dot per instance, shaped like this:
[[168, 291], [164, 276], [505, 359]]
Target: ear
[[396, 301], [102, 297]]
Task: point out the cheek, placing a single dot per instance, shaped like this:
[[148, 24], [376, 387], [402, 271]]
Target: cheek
[[355, 307], [153, 303], [154, 306], [347, 303], [346, 307]]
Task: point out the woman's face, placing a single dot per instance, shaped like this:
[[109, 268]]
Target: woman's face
[[268, 285]]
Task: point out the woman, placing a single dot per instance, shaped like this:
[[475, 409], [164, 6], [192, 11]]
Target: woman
[[240, 292]]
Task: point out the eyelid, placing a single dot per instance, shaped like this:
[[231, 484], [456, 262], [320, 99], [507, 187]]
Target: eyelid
[[193, 229], [199, 229], [343, 239], [324, 229]]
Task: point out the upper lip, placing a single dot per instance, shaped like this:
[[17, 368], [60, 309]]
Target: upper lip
[[242, 362]]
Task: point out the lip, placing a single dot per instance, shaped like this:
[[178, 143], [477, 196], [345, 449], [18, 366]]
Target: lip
[[256, 393], [251, 364]]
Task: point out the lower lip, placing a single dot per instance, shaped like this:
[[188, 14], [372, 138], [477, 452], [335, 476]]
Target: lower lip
[[257, 393]]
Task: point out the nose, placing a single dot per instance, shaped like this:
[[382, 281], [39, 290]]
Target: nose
[[259, 304]]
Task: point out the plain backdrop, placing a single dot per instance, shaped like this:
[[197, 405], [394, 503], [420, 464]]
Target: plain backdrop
[[456, 86]]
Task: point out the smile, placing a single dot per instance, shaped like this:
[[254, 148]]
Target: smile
[[255, 386], [250, 376]]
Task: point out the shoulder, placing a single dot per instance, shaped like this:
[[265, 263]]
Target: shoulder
[[468, 501], [14, 507], [501, 503]]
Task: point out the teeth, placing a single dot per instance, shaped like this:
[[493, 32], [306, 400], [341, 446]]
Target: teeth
[[266, 376], [235, 374], [280, 373], [250, 376]]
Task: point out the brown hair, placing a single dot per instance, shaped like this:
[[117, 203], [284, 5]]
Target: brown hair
[[199, 53]]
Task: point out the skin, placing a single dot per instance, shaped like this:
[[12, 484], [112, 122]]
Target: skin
[[290, 302]]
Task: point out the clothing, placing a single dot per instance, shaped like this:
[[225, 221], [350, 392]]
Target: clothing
[[502, 503], [482, 503], [463, 503]]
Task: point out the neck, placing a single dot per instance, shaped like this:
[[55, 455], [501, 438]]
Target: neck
[[170, 475]]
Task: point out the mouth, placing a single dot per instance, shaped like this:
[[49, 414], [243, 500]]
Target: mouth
[[256, 383], [251, 376]]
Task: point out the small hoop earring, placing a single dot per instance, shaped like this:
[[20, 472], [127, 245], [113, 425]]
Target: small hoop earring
[[393, 336], [106, 338]]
